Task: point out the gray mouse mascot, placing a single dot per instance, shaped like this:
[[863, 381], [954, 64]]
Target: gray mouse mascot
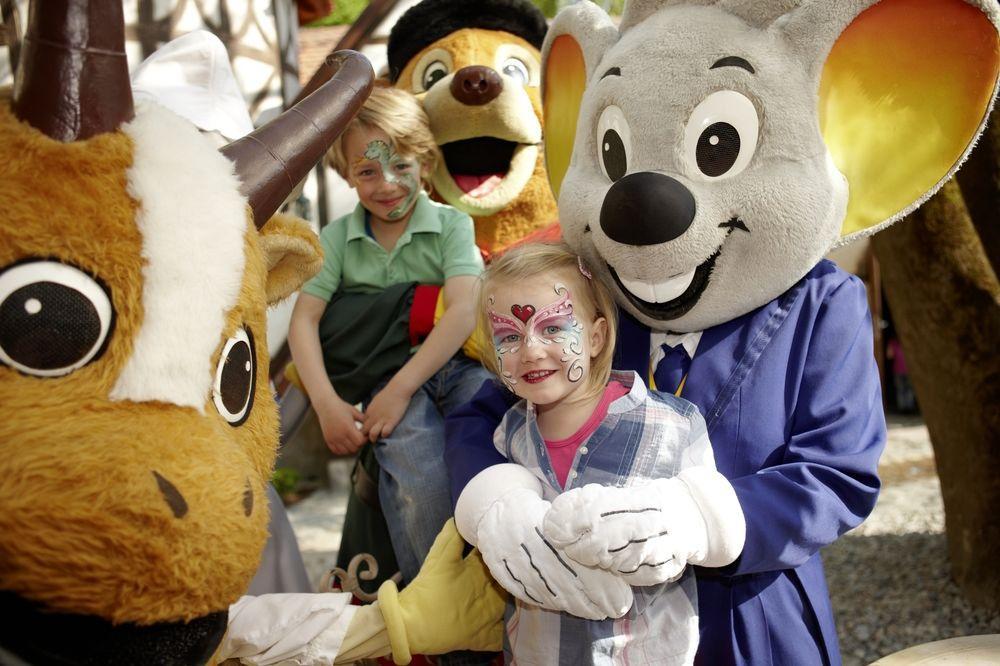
[[706, 156]]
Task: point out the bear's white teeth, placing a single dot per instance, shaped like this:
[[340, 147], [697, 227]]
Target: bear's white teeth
[[659, 292]]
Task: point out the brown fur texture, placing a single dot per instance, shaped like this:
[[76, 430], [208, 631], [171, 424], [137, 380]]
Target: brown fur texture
[[533, 207], [84, 526], [945, 300], [292, 253]]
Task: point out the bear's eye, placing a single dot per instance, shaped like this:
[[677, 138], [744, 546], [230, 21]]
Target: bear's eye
[[720, 137], [516, 70], [614, 143], [430, 68], [235, 378], [54, 318], [433, 73]]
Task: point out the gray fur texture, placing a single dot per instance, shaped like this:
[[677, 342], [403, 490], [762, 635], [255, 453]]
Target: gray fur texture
[[790, 199]]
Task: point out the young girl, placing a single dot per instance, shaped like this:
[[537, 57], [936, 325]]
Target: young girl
[[394, 238], [579, 422]]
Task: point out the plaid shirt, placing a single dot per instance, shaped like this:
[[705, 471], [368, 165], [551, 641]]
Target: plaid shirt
[[646, 435]]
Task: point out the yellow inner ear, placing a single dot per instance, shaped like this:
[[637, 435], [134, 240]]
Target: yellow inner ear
[[565, 79], [903, 94], [292, 254]]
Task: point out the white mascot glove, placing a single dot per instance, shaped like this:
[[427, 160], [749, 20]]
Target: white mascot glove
[[501, 512], [647, 534]]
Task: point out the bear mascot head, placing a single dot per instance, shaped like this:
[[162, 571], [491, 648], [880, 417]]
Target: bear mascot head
[[476, 66]]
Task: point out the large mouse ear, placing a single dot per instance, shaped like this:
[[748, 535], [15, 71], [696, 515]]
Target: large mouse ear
[[574, 45], [904, 92]]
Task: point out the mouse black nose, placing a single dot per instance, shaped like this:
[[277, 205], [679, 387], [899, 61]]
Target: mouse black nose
[[646, 208]]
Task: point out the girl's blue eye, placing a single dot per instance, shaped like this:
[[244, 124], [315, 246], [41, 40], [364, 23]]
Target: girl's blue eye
[[552, 330], [513, 337]]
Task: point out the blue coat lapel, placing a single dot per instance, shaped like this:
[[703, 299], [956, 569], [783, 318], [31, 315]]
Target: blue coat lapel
[[726, 353]]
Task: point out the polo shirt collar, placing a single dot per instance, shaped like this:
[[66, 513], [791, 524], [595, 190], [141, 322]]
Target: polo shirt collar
[[356, 223], [424, 219]]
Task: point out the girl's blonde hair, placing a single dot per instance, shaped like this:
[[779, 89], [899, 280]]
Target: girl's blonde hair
[[400, 115], [591, 299]]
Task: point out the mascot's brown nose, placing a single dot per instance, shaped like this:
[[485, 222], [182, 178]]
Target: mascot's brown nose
[[476, 85]]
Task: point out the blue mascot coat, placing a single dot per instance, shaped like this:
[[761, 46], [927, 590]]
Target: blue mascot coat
[[792, 399]]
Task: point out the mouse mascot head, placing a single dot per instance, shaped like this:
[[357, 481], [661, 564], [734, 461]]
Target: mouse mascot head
[[720, 149], [476, 66], [138, 429]]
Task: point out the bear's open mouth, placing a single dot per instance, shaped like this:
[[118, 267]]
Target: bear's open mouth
[[646, 296], [478, 165]]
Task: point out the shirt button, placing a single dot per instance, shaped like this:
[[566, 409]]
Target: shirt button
[[583, 450], [572, 475]]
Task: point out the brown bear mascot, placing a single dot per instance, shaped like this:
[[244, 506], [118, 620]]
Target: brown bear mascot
[[477, 68]]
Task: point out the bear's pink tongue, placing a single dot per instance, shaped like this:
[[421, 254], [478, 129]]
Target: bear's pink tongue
[[478, 186]]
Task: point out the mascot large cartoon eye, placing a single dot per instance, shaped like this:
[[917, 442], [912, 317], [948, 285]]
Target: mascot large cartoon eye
[[431, 68], [235, 378], [721, 136], [516, 70], [614, 143], [518, 63], [54, 318], [436, 71]]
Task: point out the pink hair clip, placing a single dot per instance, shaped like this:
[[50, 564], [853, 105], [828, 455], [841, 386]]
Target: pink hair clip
[[583, 269]]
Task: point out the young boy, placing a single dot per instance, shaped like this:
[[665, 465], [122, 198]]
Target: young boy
[[395, 235]]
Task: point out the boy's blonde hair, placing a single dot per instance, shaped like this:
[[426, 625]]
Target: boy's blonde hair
[[591, 299], [400, 115]]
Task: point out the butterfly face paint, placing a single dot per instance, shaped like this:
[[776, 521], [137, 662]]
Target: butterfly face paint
[[397, 171], [552, 336]]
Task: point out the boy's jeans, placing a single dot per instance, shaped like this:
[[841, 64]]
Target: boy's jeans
[[413, 482]]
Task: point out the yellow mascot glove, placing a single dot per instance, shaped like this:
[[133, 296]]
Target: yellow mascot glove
[[452, 604]]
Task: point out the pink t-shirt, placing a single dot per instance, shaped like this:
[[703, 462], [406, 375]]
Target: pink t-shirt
[[562, 451]]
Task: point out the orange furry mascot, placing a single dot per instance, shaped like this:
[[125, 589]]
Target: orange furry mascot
[[476, 67], [138, 428]]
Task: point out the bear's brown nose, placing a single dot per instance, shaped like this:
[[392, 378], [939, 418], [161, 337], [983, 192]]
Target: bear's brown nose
[[476, 85]]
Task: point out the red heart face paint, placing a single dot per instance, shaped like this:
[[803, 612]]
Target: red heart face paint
[[540, 352], [522, 312]]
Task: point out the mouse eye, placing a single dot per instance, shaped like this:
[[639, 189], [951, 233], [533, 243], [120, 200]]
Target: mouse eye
[[614, 143], [54, 318], [720, 137]]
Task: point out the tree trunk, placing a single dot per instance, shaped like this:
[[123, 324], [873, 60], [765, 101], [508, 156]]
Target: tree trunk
[[945, 301], [979, 181]]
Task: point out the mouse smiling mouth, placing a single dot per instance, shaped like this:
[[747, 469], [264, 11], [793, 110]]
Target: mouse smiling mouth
[[670, 298]]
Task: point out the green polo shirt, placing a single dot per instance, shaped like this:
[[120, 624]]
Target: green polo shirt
[[439, 243]]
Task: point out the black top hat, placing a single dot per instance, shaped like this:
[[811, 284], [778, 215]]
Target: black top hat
[[426, 22]]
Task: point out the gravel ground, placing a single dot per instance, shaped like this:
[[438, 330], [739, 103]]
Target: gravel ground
[[319, 519], [889, 579]]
